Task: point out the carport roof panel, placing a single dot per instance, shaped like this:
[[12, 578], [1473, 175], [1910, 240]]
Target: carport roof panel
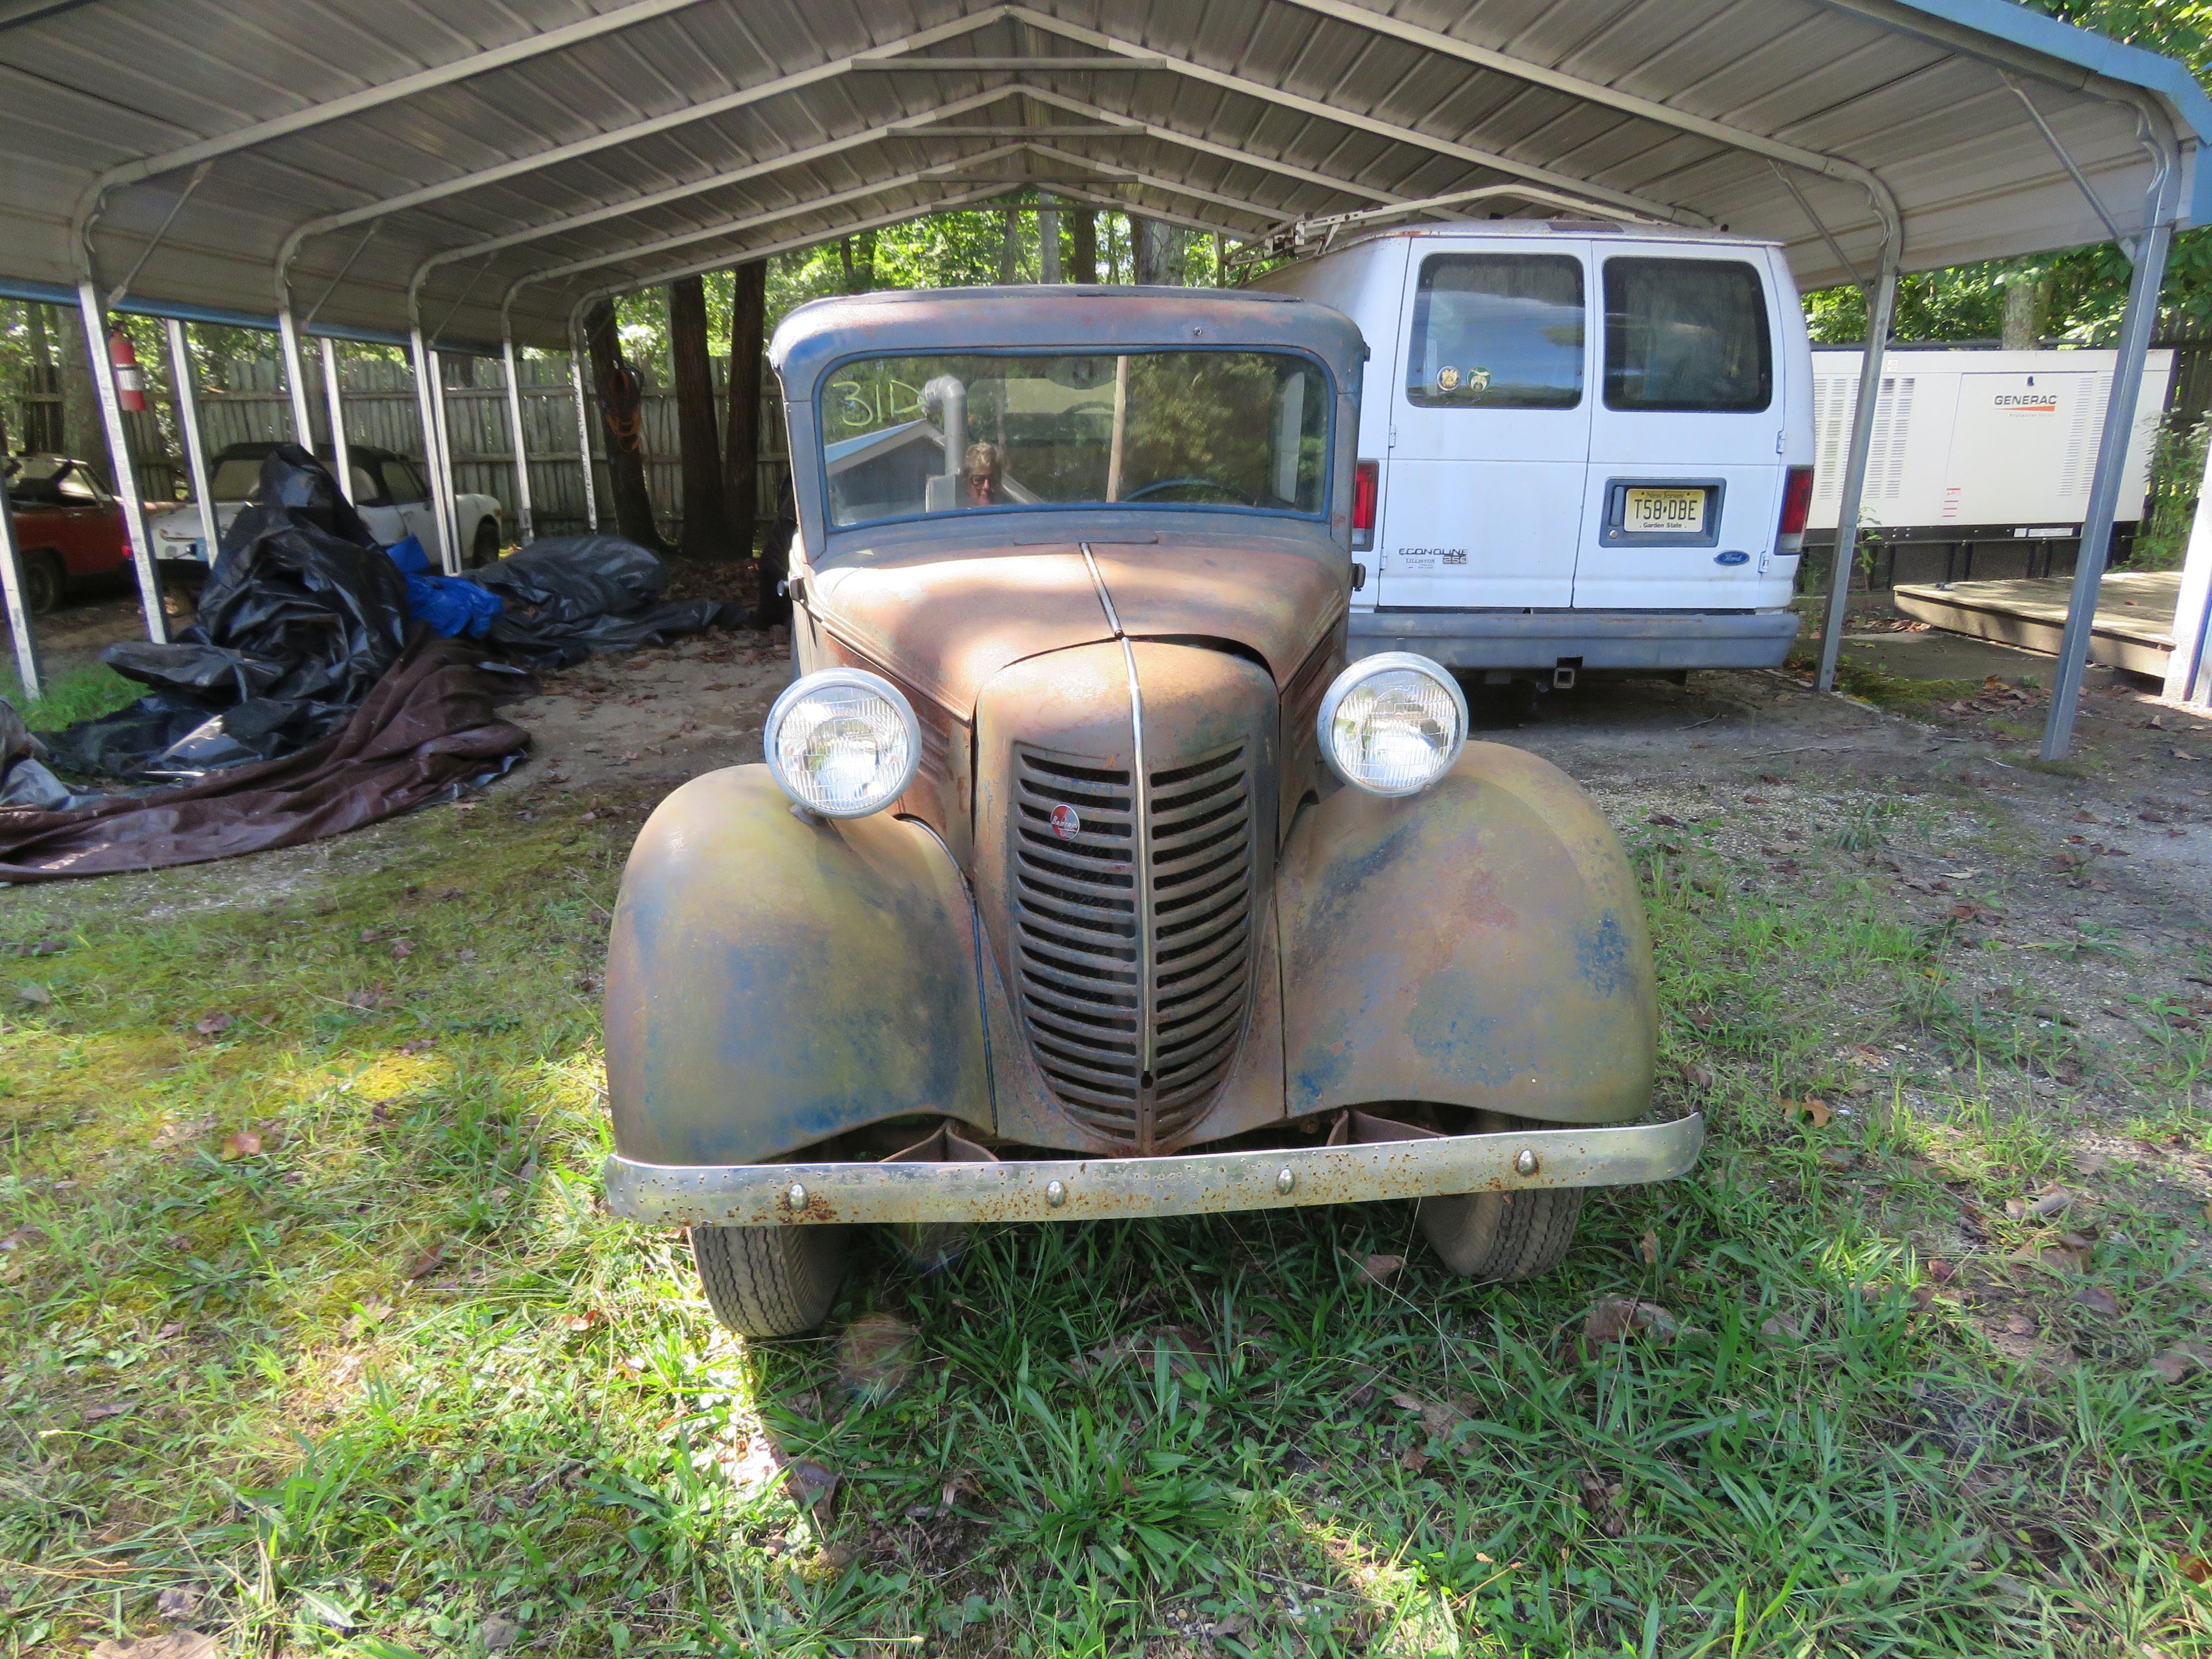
[[633, 137]]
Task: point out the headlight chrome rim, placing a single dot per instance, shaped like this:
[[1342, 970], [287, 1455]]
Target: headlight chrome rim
[[1358, 673], [849, 679]]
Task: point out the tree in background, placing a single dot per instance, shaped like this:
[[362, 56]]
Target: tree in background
[[705, 519], [1082, 224], [741, 472], [619, 410]]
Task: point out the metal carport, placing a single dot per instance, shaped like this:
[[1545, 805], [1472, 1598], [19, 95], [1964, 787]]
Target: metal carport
[[493, 168]]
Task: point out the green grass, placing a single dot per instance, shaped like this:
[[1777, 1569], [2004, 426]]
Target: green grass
[[74, 695], [1166, 1438]]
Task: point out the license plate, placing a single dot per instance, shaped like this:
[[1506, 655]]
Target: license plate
[[1664, 511]]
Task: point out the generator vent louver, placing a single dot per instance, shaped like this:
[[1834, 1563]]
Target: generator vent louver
[[1085, 976]]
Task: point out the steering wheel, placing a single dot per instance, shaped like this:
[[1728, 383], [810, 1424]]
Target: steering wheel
[[1230, 491]]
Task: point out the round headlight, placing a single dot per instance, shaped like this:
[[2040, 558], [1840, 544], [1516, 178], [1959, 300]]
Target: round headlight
[[843, 742], [1392, 724]]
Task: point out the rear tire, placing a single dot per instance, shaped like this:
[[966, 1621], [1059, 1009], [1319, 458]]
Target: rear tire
[[486, 547], [1502, 1238], [770, 1281], [42, 582]]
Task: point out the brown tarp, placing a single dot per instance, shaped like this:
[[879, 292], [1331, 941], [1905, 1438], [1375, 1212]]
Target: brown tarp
[[426, 726]]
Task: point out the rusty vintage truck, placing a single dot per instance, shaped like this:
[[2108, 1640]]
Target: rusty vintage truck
[[1085, 878]]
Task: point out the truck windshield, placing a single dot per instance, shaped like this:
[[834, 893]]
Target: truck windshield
[[903, 436]]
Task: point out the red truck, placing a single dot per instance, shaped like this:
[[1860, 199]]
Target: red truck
[[68, 525]]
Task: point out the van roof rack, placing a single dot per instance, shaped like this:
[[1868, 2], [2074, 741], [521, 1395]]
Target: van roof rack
[[1305, 235]]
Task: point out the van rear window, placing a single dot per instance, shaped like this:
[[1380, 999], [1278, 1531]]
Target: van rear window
[[1686, 334], [1496, 331]]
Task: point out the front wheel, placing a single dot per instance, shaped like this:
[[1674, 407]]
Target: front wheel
[[42, 582], [1502, 1238], [770, 1281]]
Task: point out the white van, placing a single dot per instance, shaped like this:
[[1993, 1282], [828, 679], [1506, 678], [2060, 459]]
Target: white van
[[1584, 444]]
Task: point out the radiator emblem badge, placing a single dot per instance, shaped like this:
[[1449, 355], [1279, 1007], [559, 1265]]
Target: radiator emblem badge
[[1066, 822]]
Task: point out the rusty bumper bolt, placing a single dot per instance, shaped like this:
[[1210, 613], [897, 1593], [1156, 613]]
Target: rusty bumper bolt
[[1055, 1194], [1527, 1163], [1286, 1181], [796, 1198]]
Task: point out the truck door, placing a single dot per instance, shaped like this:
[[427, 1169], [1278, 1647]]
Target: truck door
[[1482, 486], [1686, 474]]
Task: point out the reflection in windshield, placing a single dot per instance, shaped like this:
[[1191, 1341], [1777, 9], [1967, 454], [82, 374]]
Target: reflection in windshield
[[908, 435]]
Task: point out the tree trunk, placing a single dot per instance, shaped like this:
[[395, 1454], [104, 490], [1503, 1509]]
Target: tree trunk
[[1048, 222], [741, 469], [706, 519], [83, 433], [2026, 304], [619, 410], [1159, 254], [1082, 245], [1010, 246]]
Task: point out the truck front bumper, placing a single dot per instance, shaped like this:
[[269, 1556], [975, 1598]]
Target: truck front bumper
[[1116, 1189], [1547, 640]]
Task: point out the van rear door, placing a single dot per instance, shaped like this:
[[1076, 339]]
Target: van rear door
[[1483, 482], [1686, 432]]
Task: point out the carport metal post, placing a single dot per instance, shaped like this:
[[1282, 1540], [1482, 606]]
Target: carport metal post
[[441, 467], [1881, 307], [426, 414], [18, 612], [118, 457], [188, 426], [296, 378], [2186, 679], [584, 438], [522, 529], [2137, 324], [334, 398]]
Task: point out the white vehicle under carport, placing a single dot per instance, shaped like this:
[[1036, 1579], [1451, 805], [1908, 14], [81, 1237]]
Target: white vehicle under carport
[[1584, 444], [386, 488]]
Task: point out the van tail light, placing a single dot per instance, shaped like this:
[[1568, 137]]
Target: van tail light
[[1797, 507], [1366, 488]]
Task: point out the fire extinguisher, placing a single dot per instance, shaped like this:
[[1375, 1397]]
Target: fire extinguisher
[[129, 380]]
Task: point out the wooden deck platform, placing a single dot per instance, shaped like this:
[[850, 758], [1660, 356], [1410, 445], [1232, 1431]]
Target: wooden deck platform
[[2134, 630]]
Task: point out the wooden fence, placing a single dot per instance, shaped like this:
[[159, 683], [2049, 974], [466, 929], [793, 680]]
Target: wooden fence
[[379, 399]]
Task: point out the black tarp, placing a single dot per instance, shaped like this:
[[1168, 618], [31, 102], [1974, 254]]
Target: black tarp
[[568, 596]]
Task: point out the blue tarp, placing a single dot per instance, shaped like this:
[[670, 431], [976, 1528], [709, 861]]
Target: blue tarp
[[451, 604]]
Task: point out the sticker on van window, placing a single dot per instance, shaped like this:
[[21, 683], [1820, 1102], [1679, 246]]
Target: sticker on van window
[[1446, 378], [1732, 558]]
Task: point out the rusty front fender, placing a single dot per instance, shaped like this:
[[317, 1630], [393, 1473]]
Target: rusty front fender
[[772, 981], [1480, 944]]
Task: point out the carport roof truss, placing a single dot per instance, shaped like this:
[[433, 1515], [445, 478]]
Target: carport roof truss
[[546, 149]]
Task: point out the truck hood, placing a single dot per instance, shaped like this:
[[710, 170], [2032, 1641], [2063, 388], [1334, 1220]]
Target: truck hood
[[946, 624]]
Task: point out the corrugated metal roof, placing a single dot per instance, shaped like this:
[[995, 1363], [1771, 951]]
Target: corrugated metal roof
[[616, 142]]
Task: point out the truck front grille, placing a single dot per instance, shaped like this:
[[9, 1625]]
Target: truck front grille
[[1075, 931], [1086, 985]]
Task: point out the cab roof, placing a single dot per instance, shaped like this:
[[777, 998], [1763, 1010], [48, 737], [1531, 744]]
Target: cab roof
[[1071, 318]]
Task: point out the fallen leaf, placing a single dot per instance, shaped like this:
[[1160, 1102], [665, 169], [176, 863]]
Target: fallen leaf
[[178, 1601], [425, 1264], [2099, 1301], [172, 1644], [403, 948], [1666, 820], [1614, 1316], [1379, 1269], [2177, 1362], [451, 893], [875, 1356], [1811, 1107], [36, 995], [1414, 1460], [498, 1632], [809, 1485], [1781, 1327], [419, 1045], [244, 1144], [1941, 1270], [1649, 1248], [2051, 1203], [582, 1321], [108, 1408], [1437, 1416], [2194, 1568], [212, 1024]]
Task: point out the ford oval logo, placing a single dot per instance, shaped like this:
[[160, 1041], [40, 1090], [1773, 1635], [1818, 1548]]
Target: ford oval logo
[[1731, 557]]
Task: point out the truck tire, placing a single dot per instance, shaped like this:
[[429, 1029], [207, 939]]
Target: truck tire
[[1502, 1238], [485, 548], [43, 581], [770, 1281]]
